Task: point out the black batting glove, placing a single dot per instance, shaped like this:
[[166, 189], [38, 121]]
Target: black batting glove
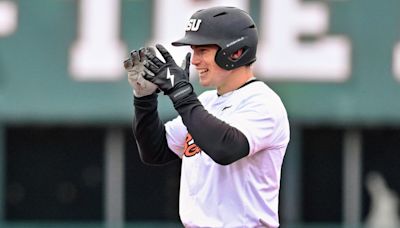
[[168, 76]]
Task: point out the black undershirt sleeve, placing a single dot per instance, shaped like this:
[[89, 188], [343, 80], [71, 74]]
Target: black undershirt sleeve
[[223, 143], [150, 133]]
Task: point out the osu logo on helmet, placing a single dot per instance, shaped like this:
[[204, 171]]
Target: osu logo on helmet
[[193, 25]]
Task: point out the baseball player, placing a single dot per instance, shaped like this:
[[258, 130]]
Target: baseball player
[[232, 140]]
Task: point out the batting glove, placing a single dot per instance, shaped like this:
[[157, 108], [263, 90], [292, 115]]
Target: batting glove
[[136, 70], [168, 76]]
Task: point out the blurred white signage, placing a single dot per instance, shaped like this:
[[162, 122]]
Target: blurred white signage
[[283, 56], [98, 52], [8, 18], [396, 61]]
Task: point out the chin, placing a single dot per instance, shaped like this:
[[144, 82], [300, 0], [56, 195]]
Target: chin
[[204, 83]]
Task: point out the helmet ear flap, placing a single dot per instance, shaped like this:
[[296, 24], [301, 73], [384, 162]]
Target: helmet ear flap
[[224, 58]]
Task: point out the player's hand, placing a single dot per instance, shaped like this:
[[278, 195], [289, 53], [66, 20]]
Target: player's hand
[[167, 75], [136, 70]]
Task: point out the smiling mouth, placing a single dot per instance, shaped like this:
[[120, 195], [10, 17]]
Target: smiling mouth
[[203, 71]]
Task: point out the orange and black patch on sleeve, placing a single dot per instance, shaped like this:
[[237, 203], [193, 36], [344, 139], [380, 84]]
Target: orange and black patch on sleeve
[[191, 148]]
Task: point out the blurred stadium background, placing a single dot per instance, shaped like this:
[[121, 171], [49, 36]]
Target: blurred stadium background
[[67, 157]]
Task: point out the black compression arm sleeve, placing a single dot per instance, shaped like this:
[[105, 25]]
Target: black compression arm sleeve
[[223, 143], [150, 133]]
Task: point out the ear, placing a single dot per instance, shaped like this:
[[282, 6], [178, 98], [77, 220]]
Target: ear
[[236, 55]]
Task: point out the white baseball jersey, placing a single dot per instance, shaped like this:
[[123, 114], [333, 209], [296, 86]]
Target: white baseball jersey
[[246, 192]]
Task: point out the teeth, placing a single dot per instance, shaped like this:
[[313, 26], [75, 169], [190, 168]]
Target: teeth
[[202, 71]]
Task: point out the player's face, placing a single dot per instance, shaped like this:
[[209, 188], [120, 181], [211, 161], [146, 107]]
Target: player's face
[[210, 74]]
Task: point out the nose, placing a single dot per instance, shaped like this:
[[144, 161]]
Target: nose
[[195, 58]]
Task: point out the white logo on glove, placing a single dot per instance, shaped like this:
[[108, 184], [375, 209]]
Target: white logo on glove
[[171, 77]]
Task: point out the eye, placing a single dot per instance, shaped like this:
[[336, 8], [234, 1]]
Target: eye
[[203, 50]]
